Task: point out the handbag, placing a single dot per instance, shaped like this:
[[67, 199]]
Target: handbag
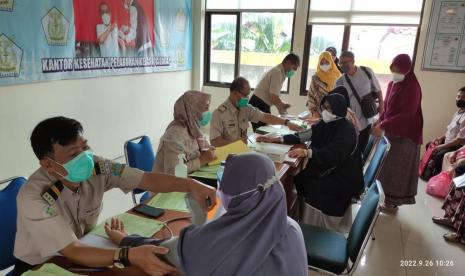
[[367, 103], [424, 166]]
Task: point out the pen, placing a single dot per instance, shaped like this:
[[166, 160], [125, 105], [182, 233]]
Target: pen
[[86, 269]]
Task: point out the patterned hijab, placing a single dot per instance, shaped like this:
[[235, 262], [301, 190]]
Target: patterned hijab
[[331, 75], [188, 110]]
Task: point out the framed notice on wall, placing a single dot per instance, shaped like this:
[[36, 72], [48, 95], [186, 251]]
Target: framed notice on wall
[[445, 42]]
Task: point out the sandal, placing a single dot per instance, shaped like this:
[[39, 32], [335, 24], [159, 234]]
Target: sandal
[[451, 237], [442, 221]]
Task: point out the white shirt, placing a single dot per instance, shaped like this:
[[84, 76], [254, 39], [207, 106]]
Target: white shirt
[[109, 48]]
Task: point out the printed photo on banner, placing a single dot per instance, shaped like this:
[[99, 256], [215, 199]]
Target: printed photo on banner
[[114, 28]]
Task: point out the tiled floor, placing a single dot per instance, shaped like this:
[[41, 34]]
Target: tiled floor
[[410, 235]]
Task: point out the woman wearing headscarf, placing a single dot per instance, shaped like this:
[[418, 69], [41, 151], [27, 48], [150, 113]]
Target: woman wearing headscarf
[[183, 136], [341, 90], [254, 237], [402, 123], [322, 82], [333, 174]]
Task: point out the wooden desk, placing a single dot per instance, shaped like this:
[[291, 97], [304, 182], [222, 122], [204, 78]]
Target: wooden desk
[[175, 226]]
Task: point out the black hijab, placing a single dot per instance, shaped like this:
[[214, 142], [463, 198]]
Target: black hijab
[[341, 90], [324, 133]]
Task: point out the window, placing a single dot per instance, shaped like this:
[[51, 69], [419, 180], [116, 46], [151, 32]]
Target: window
[[246, 38], [376, 31]]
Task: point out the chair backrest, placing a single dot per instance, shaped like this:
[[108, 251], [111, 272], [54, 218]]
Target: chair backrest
[[139, 155], [376, 162], [8, 214], [364, 222], [368, 148]]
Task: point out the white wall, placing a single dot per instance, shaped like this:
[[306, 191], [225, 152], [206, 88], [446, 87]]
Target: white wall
[[111, 109], [439, 88]]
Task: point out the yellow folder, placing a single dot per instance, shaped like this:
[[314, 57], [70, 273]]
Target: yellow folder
[[222, 153]]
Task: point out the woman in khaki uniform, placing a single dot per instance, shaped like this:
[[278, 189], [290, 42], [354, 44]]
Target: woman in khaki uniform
[[183, 135]]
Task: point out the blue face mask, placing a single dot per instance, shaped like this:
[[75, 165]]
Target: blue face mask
[[345, 69], [80, 168], [205, 119]]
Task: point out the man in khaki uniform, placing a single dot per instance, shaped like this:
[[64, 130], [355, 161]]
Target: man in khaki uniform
[[267, 92], [231, 119], [62, 200]]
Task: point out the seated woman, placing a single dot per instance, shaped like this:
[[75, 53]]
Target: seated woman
[[304, 136], [254, 237], [453, 139], [454, 209], [334, 171], [183, 136]]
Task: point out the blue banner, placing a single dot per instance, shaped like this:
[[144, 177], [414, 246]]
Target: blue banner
[[55, 39]]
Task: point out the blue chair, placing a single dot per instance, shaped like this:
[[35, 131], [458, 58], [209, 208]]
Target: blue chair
[[8, 216], [139, 155], [329, 251], [376, 162], [369, 147]]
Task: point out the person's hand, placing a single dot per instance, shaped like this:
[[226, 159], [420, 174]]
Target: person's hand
[[313, 120], [295, 153], [268, 139], [436, 150], [207, 156], [285, 105], [145, 258], [202, 193], [294, 127], [115, 230], [437, 141], [452, 157]]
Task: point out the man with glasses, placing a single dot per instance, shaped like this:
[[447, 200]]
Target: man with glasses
[[363, 81], [230, 120]]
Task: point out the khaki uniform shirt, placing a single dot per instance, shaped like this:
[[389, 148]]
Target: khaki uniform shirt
[[271, 83], [43, 229], [231, 123], [175, 141]]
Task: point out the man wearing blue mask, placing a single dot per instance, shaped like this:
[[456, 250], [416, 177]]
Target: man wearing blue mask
[[363, 87], [230, 120], [268, 90], [62, 200]]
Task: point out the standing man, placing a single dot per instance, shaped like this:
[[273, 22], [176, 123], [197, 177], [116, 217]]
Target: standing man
[[267, 92], [364, 81], [231, 119], [62, 200]]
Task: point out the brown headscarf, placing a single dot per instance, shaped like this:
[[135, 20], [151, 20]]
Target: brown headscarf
[[188, 110]]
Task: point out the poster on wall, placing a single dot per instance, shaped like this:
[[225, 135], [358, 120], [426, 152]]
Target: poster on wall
[[445, 44], [55, 39]]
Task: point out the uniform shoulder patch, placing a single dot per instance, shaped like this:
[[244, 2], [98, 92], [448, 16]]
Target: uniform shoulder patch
[[222, 108]]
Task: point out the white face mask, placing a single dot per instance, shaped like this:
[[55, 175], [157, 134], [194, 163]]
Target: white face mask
[[106, 18], [325, 67], [396, 77], [327, 116]]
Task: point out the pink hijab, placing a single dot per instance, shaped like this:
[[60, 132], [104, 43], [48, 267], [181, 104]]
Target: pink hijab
[[188, 110], [402, 107]]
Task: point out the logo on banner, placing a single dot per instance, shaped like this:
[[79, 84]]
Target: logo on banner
[[56, 27], [10, 57], [6, 5]]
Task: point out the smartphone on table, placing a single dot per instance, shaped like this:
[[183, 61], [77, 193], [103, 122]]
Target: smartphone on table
[[149, 210]]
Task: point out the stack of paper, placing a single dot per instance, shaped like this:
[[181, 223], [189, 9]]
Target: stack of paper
[[133, 225], [48, 269], [171, 201], [459, 181], [222, 153], [207, 172], [277, 152], [277, 129]]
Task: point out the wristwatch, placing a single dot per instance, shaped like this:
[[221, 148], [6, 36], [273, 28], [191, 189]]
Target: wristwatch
[[117, 259]]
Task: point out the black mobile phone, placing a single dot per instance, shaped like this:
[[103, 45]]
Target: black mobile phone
[[149, 210]]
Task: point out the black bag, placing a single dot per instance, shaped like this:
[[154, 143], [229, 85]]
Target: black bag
[[368, 102]]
